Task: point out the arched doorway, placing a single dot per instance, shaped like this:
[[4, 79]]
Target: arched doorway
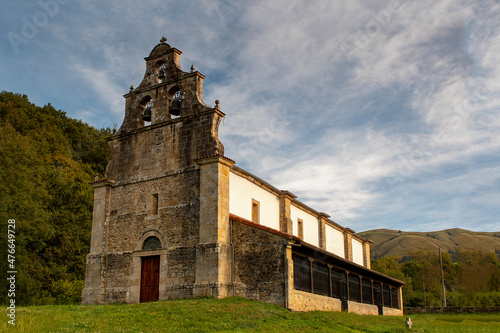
[[150, 271]]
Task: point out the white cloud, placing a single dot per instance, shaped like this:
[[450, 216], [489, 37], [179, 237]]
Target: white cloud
[[108, 92], [380, 113]]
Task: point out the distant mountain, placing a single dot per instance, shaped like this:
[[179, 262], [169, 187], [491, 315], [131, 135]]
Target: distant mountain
[[402, 243]]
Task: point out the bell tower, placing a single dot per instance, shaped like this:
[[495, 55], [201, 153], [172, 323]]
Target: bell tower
[[164, 202], [167, 115], [165, 85]]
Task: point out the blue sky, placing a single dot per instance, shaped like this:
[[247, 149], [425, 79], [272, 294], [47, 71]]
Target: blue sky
[[383, 114]]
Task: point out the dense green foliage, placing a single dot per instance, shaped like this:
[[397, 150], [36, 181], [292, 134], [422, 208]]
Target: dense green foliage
[[229, 315], [472, 278], [46, 163]]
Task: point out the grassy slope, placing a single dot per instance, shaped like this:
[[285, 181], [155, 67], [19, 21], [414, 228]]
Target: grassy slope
[[387, 241], [227, 315]]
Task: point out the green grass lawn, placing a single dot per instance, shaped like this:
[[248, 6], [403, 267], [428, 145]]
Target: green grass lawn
[[227, 315]]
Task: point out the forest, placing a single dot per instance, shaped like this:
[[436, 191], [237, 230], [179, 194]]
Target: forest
[[46, 163], [48, 159], [471, 278]]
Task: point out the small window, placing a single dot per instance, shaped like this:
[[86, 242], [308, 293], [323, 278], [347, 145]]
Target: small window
[[377, 293], [255, 211], [338, 284], [386, 291], [175, 103], [354, 291], [151, 243], [366, 289], [147, 114], [321, 283], [154, 205], [162, 72], [394, 298], [300, 227], [301, 273], [144, 109]]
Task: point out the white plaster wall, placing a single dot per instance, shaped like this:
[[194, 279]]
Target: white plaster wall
[[357, 252], [241, 193], [310, 225], [334, 241]]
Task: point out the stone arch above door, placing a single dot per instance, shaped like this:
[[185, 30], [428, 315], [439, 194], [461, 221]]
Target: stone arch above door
[[139, 245], [133, 294]]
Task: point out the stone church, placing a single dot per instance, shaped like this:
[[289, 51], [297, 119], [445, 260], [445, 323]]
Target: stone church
[[176, 218]]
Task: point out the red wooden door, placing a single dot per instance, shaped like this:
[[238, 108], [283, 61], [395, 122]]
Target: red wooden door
[[150, 279]]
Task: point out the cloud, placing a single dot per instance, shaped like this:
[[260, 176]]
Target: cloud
[[106, 90], [379, 113]]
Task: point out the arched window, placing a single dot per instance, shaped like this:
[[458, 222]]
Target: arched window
[[162, 69], [151, 243], [145, 106], [175, 102]]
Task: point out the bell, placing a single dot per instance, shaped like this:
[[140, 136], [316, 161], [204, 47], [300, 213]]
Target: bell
[[146, 116], [161, 75], [175, 107]]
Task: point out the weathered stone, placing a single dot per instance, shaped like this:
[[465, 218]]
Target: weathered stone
[[303, 301], [361, 308], [259, 265]]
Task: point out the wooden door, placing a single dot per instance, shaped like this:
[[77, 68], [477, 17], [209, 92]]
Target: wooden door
[[150, 279]]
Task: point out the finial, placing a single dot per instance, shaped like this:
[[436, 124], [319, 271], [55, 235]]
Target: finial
[[192, 68], [131, 88], [217, 104], [163, 40]]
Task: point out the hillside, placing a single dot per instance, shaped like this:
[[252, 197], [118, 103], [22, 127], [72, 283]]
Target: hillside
[[402, 243], [227, 315], [47, 160]]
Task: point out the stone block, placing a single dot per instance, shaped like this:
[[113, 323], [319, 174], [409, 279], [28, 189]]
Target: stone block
[[303, 301]]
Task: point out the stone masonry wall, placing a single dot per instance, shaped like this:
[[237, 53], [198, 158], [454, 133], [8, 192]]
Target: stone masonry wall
[[118, 268], [304, 301], [161, 93], [213, 263], [362, 308], [392, 312], [146, 163], [162, 149], [176, 224], [452, 309], [94, 281], [177, 218], [92, 293], [259, 264]]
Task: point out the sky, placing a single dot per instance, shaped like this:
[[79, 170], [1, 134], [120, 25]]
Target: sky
[[382, 114]]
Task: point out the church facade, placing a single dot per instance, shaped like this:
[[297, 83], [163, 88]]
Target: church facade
[[176, 218]]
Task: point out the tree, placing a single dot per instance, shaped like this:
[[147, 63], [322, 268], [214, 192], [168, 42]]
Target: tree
[[46, 163]]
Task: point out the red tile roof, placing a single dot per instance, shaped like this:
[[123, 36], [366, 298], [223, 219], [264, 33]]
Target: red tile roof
[[262, 227]]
